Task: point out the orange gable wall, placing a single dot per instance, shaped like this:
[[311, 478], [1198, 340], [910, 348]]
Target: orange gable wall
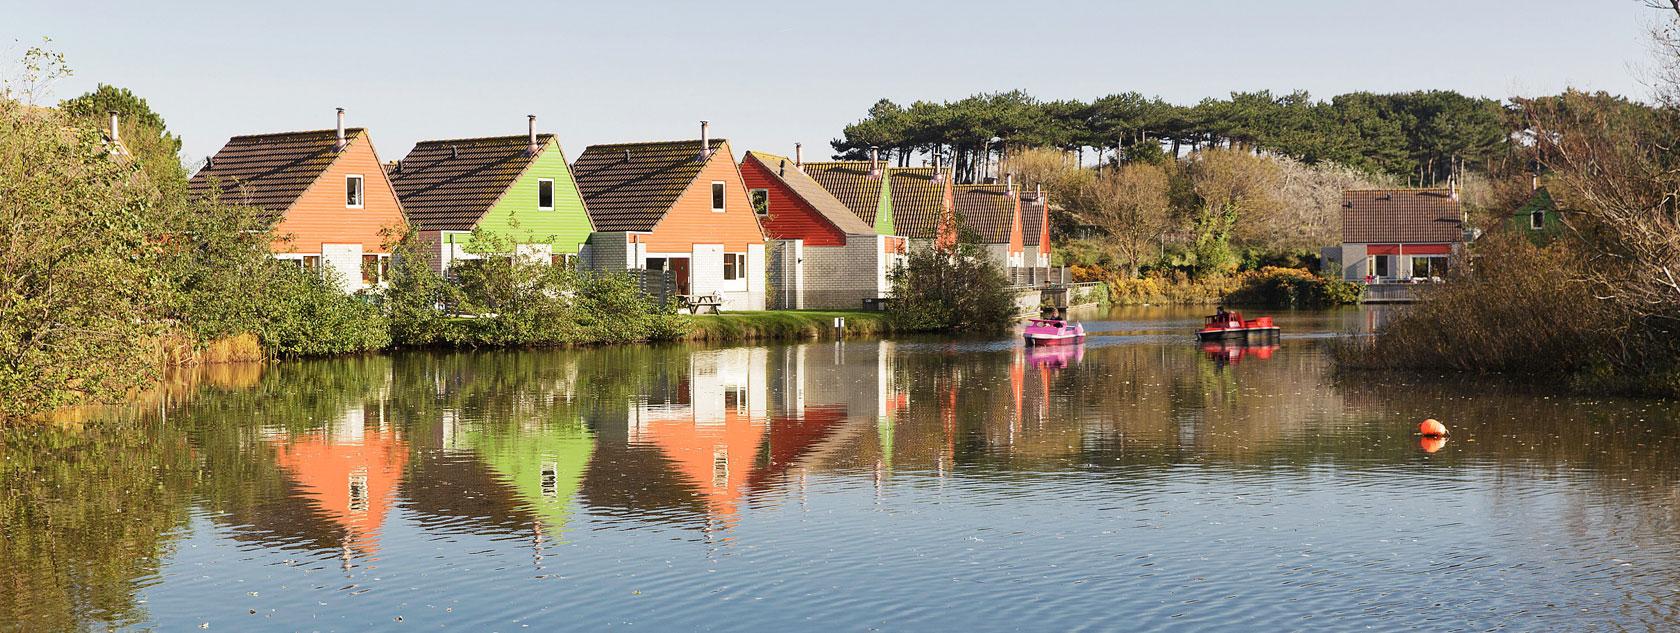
[[1015, 239], [691, 220], [319, 215], [1044, 225]]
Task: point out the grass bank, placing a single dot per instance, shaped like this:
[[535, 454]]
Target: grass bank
[[786, 325]]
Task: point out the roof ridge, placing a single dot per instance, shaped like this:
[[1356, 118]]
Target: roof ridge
[[349, 131], [671, 142], [521, 137]]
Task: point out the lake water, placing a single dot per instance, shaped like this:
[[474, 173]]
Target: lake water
[[1139, 482]]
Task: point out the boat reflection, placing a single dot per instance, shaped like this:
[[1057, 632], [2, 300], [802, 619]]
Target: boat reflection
[[1225, 354], [1055, 356]]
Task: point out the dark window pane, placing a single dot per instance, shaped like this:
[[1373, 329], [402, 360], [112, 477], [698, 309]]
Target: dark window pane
[[717, 196], [545, 194]]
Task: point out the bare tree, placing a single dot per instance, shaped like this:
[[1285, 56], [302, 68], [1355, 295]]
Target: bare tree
[[1134, 207]]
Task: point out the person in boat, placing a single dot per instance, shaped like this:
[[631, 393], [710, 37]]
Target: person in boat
[[1221, 315]]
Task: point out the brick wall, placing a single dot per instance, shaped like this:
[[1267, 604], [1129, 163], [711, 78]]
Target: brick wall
[[841, 277]]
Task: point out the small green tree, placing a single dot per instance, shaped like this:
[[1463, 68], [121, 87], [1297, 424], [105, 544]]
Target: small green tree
[[956, 290]]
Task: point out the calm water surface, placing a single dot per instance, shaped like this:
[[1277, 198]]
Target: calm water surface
[[1137, 483]]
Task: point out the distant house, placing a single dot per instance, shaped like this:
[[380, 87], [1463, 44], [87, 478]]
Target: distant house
[[1035, 228], [1538, 218], [832, 258], [1399, 234], [992, 213], [514, 188], [326, 191], [911, 202], [677, 206]]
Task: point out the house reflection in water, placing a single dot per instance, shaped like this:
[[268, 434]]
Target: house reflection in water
[[349, 471], [736, 422]]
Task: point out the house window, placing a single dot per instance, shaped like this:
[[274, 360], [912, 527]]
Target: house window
[[717, 196], [358, 490], [734, 266], [1429, 267], [1537, 220], [1382, 265], [761, 201], [353, 191], [376, 269], [545, 194], [655, 263], [567, 261]]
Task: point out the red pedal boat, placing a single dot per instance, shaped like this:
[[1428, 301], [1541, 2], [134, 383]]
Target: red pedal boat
[[1231, 327]]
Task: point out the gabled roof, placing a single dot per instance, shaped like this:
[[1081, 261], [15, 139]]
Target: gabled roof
[[918, 201], [988, 210], [1032, 217], [630, 186], [269, 171], [448, 185], [1378, 216], [831, 208], [850, 183]]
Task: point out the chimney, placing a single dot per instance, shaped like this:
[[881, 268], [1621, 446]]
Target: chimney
[[339, 147], [453, 152], [938, 174], [1009, 189], [626, 154], [1038, 196], [799, 156], [1452, 187], [705, 141], [114, 137], [874, 162], [531, 134]]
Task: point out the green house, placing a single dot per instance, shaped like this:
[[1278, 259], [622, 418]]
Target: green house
[[1538, 218], [516, 193]]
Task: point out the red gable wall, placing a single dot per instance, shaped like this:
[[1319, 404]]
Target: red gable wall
[[790, 216]]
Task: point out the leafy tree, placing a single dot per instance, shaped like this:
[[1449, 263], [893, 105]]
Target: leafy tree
[[143, 131], [956, 289], [1133, 206]]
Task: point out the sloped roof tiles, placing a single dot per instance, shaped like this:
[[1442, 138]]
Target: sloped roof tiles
[[1379, 216], [918, 201], [269, 171], [850, 183], [830, 207], [630, 186], [448, 185], [988, 210]]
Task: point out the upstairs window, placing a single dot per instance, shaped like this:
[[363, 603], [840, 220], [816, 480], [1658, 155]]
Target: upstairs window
[[353, 191], [761, 201], [734, 266], [1537, 220], [717, 196], [545, 194]]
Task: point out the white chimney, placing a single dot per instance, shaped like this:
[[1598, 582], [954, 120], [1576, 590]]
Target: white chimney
[[1010, 187], [114, 137], [1452, 187], [938, 174], [531, 134], [339, 147], [705, 141], [799, 156], [1038, 196], [874, 162]]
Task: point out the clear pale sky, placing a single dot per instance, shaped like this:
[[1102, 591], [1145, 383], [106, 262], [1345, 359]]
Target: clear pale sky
[[770, 73]]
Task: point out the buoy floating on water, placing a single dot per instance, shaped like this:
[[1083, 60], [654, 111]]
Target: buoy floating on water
[[1432, 428], [1432, 444]]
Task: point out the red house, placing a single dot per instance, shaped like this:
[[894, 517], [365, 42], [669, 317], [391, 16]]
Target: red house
[[826, 256]]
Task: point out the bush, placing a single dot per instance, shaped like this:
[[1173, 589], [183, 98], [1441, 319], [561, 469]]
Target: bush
[[311, 316], [1520, 311], [959, 290], [1292, 288]]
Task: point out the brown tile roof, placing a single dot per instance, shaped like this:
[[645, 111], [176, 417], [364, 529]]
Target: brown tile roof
[[448, 185], [1032, 217], [849, 182], [831, 208], [917, 201], [634, 194], [1384, 216], [987, 210], [269, 171]]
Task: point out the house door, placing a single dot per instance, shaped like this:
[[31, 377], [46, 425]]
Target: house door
[[679, 269]]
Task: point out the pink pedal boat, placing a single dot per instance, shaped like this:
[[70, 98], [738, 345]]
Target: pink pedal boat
[[1053, 332]]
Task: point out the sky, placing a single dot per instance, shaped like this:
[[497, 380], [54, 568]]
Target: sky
[[768, 74]]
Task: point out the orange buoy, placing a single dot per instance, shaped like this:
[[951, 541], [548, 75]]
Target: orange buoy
[[1432, 444], [1432, 428]]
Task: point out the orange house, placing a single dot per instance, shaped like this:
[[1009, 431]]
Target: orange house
[[326, 192], [677, 206]]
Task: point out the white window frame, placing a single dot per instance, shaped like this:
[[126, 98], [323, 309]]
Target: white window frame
[[361, 191], [550, 182], [740, 264], [1537, 220], [719, 203]]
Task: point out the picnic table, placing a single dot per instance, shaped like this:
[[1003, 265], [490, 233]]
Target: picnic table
[[696, 304]]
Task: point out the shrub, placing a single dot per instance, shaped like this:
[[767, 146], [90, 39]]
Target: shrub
[[311, 316], [1292, 288], [959, 290]]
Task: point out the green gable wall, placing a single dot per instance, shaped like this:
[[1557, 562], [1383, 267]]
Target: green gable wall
[[1541, 201], [883, 210], [520, 458], [516, 217]]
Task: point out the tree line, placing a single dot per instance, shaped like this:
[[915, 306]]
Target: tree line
[[1422, 136]]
